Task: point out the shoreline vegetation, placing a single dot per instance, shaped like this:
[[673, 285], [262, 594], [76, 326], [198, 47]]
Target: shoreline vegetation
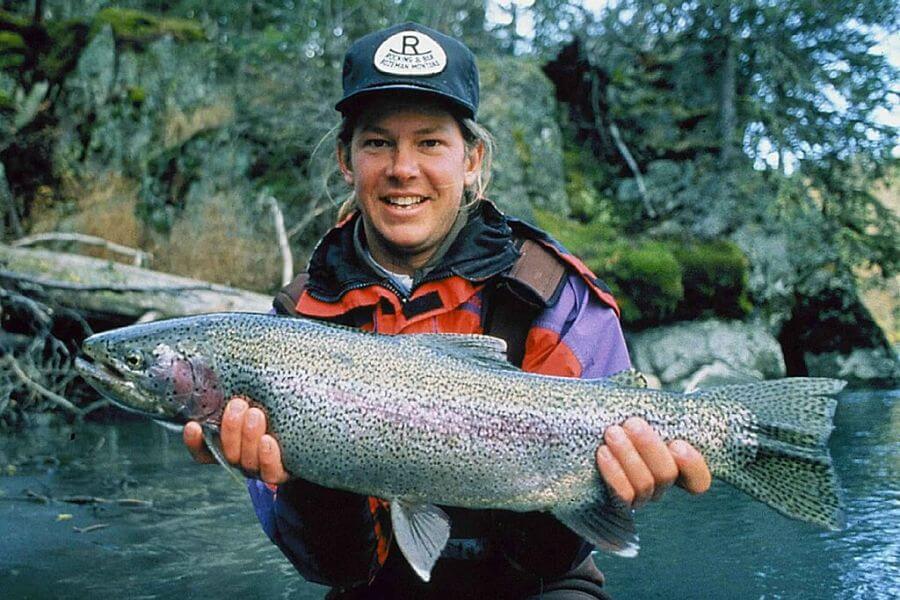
[[694, 159]]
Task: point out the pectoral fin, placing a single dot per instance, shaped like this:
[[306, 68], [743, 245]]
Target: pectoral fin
[[609, 526], [421, 531], [213, 442]]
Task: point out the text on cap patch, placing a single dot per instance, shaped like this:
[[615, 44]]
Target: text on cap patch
[[410, 53]]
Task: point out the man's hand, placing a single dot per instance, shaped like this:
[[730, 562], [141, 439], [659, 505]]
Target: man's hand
[[638, 466], [245, 443]]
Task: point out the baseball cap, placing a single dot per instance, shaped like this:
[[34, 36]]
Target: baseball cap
[[410, 57]]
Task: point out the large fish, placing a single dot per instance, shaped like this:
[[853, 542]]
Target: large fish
[[443, 419]]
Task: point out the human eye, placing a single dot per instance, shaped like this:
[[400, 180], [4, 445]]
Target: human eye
[[375, 142], [431, 143]]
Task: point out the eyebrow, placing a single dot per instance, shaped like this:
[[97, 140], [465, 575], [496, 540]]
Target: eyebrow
[[383, 131]]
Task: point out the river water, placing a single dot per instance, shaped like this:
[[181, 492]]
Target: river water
[[113, 511]]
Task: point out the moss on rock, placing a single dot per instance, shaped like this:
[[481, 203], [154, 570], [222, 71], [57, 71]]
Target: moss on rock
[[715, 277], [137, 28], [12, 50], [659, 280]]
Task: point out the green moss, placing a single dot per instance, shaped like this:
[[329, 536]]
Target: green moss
[[12, 50], [67, 40], [137, 94], [658, 280], [6, 103], [649, 280], [137, 28], [11, 22], [715, 278], [523, 149], [11, 41]]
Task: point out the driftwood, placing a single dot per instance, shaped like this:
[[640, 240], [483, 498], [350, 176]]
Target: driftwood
[[102, 289]]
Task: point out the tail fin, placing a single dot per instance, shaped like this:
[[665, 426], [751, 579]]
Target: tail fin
[[791, 470]]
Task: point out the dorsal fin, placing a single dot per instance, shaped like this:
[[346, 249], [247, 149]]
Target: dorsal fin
[[627, 378], [484, 350]]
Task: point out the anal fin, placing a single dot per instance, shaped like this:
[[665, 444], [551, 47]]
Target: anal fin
[[421, 531], [609, 525]]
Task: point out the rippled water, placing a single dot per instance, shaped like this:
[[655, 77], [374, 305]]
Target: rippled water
[[200, 539]]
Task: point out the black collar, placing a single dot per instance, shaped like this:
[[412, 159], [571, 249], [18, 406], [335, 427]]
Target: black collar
[[484, 248]]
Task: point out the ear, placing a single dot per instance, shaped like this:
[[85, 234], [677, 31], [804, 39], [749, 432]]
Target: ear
[[474, 158], [341, 153]]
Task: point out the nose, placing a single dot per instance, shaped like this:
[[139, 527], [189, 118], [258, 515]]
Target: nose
[[404, 164]]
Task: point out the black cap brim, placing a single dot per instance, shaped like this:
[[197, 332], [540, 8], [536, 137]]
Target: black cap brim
[[353, 103]]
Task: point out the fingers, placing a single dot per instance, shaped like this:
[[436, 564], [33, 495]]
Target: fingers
[[232, 428], [614, 475], [254, 429], [694, 475], [246, 445], [636, 464], [271, 469], [193, 439]]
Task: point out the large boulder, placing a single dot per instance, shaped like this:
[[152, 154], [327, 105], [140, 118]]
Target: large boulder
[[861, 367], [519, 109], [831, 333], [700, 354]]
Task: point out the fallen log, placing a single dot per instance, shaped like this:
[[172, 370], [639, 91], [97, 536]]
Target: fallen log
[[102, 289]]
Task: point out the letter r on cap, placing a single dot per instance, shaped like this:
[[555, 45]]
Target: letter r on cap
[[410, 42]]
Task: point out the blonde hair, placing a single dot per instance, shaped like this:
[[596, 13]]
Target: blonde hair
[[474, 134]]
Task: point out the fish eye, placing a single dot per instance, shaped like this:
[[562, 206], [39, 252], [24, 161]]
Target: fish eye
[[134, 360]]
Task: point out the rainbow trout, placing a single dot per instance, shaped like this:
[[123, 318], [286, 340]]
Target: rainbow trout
[[443, 419]]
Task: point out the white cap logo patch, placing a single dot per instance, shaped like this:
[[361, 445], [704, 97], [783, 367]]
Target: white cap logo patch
[[410, 53]]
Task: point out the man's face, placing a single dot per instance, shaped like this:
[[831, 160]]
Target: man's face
[[408, 166]]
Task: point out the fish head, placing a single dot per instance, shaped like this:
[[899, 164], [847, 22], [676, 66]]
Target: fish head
[[146, 372]]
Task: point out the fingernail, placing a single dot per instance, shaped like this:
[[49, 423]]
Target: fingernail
[[252, 418], [615, 434], [636, 425], [265, 445], [679, 447], [236, 407], [604, 453]]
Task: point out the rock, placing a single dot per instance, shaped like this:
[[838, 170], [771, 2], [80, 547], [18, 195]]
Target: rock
[[518, 107], [718, 373], [831, 333], [704, 353], [862, 367]]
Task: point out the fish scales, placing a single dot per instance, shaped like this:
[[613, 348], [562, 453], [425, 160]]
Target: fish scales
[[442, 419], [354, 423]]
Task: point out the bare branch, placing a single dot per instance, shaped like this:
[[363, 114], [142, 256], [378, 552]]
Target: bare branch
[[306, 220], [38, 388], [620, 144], [110, 287], [287, 259], [140, 257]]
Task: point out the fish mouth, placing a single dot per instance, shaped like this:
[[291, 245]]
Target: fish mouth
[[102, 373], [116, 386]]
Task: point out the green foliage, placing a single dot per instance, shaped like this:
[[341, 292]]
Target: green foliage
[[517, 106], [137, 28], [659, 280], [648, 278], [715, 279], [587, 183], [136, 94], [12, 50]]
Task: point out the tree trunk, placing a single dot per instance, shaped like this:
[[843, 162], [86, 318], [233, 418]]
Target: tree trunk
[[103, 289], [727, 111]]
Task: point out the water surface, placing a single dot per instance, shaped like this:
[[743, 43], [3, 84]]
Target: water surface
[[198, 537]]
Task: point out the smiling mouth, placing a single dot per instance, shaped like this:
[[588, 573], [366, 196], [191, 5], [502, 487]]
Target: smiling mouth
[[405, 201]]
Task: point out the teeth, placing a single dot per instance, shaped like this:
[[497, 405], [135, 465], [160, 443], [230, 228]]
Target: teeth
[[405, 200]]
